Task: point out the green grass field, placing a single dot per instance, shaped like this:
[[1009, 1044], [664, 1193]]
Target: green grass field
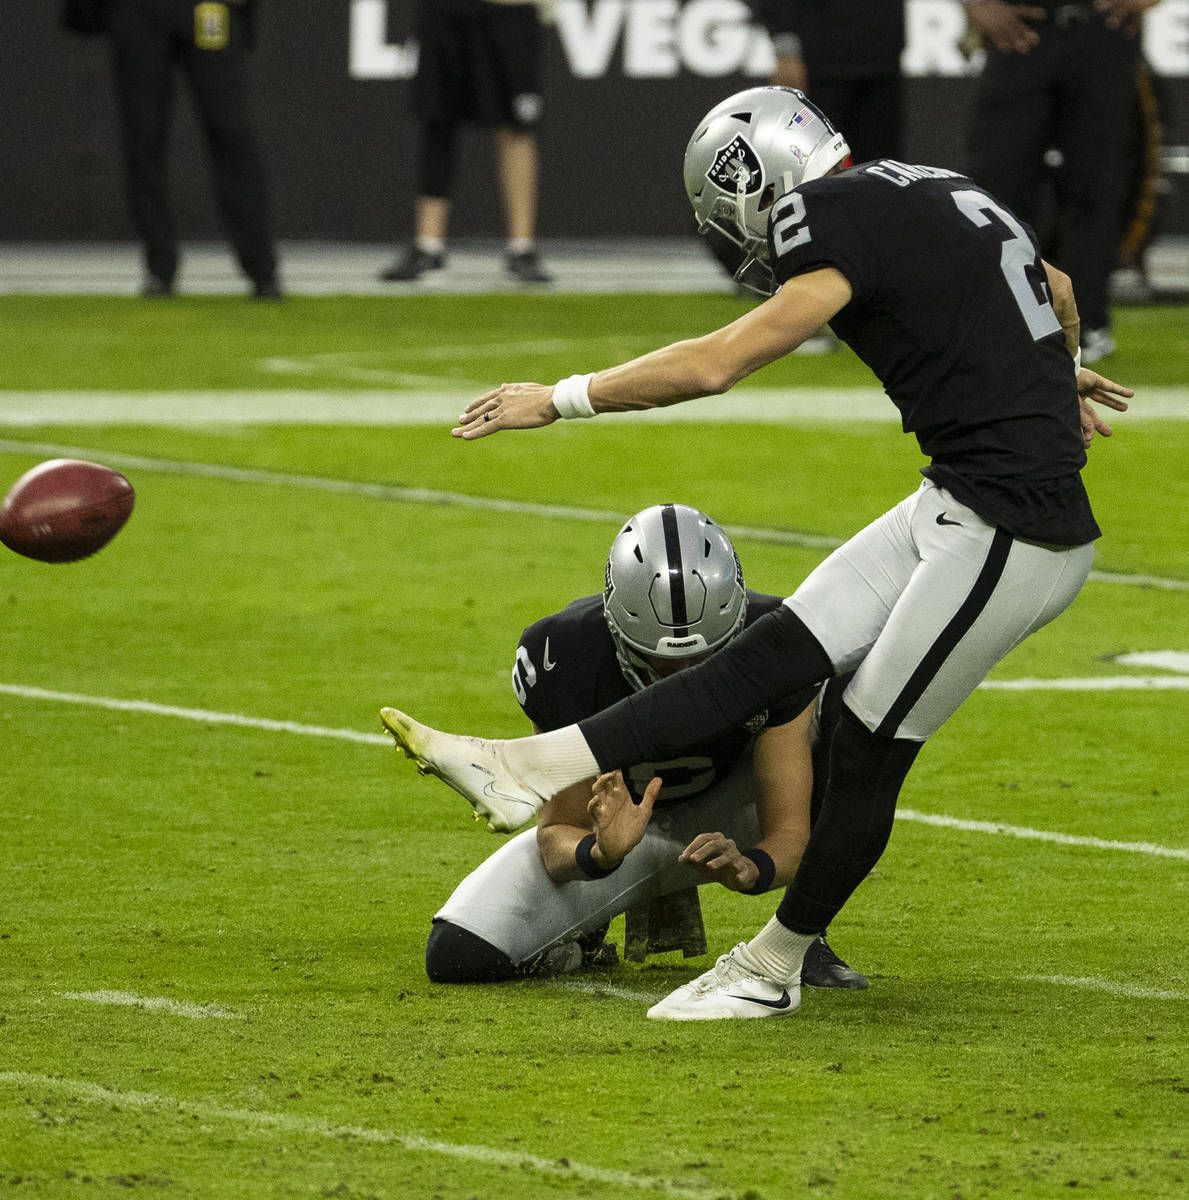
[[213, 906]]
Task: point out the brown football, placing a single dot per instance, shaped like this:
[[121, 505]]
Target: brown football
[[64, 510]]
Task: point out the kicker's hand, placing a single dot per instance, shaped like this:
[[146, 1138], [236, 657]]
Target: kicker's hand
[[716, 858], [509, 406], [1092, 386], [619, 822]]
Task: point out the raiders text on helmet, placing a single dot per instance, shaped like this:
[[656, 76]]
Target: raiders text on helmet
[[674, 589], [744, 155]]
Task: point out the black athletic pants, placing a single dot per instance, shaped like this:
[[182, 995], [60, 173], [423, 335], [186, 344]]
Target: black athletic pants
[[1074, 91], [150, 39]]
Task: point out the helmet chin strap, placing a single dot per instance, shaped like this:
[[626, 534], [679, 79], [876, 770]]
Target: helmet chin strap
[[742, 182], [754, 246]]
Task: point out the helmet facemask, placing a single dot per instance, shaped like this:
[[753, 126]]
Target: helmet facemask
[[755, 271]]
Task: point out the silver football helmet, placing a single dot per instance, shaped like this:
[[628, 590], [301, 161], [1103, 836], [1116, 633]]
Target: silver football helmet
[[674, 589], [745, 154]]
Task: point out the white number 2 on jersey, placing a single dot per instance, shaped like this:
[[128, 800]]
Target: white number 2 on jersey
[[785, 234], [524, 674], [1015, 259]]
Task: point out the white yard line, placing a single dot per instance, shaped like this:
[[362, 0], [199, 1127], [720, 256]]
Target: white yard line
[[419, 404], [1090, 983], [197, 714], [381, 491], [1039, 835], [253, 1121], [588, 987], [1165, 660], [1094, 683], [423, 403], [419, 495], [177, 1008], [380, 739]]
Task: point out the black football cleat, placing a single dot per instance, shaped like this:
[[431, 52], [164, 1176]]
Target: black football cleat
[[526, 267], [267, 289], [156, 288], [412, 265], [823, 968]]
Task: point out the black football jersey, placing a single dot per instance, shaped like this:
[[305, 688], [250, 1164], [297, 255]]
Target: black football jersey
[[566, 670], [951, 310]]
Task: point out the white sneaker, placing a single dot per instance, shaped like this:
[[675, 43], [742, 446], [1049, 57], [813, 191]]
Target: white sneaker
[[732, 989], [473, 767], [1096, 345]]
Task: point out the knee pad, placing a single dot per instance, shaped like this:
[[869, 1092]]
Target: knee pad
[[455, 955]]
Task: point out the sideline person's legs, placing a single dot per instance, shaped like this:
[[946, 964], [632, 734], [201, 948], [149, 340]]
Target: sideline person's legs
[[143, 63]]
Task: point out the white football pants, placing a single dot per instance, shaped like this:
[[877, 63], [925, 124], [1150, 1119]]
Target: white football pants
[[510, 901], [925, 601]]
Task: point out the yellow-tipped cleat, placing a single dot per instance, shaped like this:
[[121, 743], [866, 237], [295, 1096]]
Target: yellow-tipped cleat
[[473, 767]]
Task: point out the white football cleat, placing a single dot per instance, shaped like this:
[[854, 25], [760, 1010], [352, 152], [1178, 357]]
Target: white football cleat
[[732, 989], [473, 767]]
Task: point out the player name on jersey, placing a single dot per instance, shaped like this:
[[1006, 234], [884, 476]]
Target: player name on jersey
[[901, 174]]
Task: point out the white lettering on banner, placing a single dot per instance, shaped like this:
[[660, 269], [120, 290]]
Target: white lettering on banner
[[716, 37], [1166, 37], [933, 29], [369, 53], [650, 40], [761, 58], [659, 39], [588, 36]]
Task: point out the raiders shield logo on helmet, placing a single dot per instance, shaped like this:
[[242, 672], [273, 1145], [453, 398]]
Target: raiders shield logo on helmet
[[734, 164]]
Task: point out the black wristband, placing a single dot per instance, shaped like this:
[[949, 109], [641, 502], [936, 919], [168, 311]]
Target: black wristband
[[766, 868], [584, 857]]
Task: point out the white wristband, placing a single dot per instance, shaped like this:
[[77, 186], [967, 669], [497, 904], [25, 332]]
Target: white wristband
[[1077, 360], [571, 397]]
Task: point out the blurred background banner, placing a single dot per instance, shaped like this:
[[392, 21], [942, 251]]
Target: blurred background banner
[[626, 80]]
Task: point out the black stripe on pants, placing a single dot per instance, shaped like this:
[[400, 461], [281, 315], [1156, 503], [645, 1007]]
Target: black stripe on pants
[[951, 635]]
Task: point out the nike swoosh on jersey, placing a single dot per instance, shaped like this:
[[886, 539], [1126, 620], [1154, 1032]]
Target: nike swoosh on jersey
[[942, 521], [784, 1000], [546, 661]]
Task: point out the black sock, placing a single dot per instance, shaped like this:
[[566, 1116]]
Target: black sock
[[772, 658], [829, 712], [853, 827]]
